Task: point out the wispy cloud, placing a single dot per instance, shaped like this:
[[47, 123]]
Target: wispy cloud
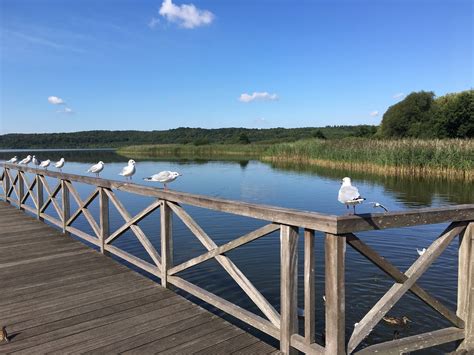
[[56, 100], [66, 110], [374, 113], [258, 96], [153, 22], [186, 15], [41, 41], [399, 95]]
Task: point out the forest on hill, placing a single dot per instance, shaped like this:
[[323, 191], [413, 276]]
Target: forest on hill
[[183, 135]]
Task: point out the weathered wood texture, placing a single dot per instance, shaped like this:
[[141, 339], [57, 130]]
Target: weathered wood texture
[[59, 296], [335, 294]]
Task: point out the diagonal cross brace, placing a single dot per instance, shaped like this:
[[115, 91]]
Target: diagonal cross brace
[[400, 277], [82, 207], [380, 309], [130, 223], [51, 197], [228, 266]]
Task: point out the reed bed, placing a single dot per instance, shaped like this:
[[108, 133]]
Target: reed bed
[[202, 151], [453, 158]]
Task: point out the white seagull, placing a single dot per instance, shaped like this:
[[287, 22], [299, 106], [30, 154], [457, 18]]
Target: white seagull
[[36, 161], [97, 168], [13, 160], [349, 195], [164, 177], [420, 251], [26, 161], [59, 164], [128, 170], [45, 164]]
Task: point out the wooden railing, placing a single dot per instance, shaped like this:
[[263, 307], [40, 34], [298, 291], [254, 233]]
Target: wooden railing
[[339, 232]]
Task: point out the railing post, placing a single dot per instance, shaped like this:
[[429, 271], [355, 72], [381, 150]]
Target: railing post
[[335, 293], [289, 287], [309, 309], [66, 205], [104, 219], [39, 196], [21, 189], [6, 184], [466, 285], [166, 243]]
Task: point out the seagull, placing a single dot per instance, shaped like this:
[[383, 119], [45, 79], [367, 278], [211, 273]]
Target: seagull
[[59, 164], [13, 160], [377, 204], [420, 251], [128, 170], [349, 195], [26, 161], [164, 177], [36, 161], [45, 164], [97, 168]]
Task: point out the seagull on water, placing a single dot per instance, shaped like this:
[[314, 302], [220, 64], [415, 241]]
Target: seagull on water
[[59, 164], [26, 161], [164, 177], [97, 168], [349, 195], [36, 161], [128, 170], [420, 251], [13, 160], [45, 164]]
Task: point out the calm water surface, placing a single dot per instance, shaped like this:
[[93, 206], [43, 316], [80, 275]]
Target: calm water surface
[[300, 187]]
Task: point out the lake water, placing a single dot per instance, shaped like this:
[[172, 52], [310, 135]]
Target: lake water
[[300, 187]]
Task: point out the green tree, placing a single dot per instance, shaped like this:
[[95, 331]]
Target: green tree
[[244, 139], [455, 115], [318, 134], [412, 117]]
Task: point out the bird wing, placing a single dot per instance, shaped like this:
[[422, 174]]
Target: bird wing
[[348, 193], [162, 176], [94, 168], [127, 170], [45, 162]]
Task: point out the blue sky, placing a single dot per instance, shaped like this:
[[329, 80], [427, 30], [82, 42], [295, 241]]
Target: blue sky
[[152, 65]]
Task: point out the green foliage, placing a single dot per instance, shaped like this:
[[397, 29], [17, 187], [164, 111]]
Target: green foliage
[[244, 139], [183, 135], [317, 133], [420, 115]]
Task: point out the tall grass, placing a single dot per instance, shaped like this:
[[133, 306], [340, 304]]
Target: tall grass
[[201, 151], [446, 158], [449, 158]]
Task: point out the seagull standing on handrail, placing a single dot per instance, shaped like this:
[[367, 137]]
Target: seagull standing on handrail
[[45, 164], [164, 177], [349, 195], [25, 161], [59, 164], [13, 160], [128, 170], [97, 168], [36, 161]]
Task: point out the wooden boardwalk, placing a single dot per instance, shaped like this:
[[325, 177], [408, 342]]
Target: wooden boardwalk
[[59, 296]]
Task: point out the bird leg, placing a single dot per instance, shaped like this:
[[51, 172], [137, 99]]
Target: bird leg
[[354, 207]]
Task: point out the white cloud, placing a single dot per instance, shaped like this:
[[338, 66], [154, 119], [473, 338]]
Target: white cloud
[[56, 100], [66, 110], [186, 15], [374, 113], [153, 22], [258, 96], [399, 95]]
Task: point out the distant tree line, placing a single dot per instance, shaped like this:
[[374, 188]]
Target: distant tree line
[[183, 135], [421, 115]]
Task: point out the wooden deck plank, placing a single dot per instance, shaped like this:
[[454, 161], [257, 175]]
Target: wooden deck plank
[[60, 296], [233, 344]]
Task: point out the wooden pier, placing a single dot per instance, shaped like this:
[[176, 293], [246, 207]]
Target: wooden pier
[[59, 296]]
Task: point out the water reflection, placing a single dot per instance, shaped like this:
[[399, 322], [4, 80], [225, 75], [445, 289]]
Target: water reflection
[[413, 191]]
